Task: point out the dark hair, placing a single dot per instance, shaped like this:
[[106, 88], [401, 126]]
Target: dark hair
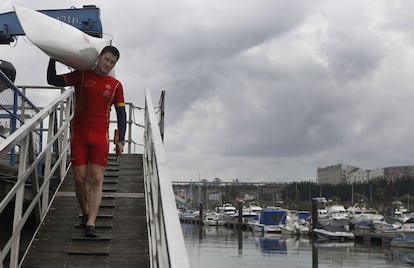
[[111, 49]]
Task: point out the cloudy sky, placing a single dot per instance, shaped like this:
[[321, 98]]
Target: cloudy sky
[[261, 90]]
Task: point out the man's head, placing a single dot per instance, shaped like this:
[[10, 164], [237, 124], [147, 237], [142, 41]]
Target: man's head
[[107, 59]]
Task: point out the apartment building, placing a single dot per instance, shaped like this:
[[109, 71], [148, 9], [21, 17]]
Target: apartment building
[[338, 173], [398, 172]]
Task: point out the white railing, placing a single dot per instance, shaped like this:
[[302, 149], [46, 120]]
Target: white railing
[[50, 160], [37, 166], [167, 248]]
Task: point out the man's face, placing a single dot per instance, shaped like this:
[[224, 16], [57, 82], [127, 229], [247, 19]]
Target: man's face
[[106, 62]]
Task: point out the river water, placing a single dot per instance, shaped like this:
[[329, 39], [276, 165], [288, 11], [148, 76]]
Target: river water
[[213, 246]]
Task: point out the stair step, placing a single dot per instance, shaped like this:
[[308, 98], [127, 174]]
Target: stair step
[[110, 181], [107, 205], [97, 226], [109, 189], [111, 176], [84, 238], [102, 216], [108, 202], [88, 253]]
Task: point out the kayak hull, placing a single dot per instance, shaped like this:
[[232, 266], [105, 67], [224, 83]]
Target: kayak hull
[[59, 40]]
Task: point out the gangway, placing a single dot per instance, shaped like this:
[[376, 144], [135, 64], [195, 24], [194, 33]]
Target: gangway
[[138, 221], [121, 224]]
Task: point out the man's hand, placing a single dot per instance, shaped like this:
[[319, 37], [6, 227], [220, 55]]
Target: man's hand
[[119, 148]]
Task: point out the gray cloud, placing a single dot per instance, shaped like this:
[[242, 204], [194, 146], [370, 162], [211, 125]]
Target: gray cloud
[[269, 90]]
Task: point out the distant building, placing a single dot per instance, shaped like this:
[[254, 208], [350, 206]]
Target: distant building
[[398, 172], [192, 193], [355, 175], [332, 174], [338, 173], [376, 173]]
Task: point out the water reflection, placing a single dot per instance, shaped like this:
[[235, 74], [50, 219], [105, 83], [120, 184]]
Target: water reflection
[[220, 246], [272, 243], [406, 254]]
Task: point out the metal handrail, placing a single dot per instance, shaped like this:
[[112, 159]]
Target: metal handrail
[[53, 155], [167, 248], [165, 237], [20, 103]]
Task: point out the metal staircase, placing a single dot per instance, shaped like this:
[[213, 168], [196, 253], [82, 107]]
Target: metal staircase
[[121, 224], [138, 222]]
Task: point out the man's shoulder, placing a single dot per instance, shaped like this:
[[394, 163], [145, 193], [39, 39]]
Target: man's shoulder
[[113, 80], [106, 78]]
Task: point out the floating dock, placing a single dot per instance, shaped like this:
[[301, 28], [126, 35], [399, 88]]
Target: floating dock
[[376, 238]]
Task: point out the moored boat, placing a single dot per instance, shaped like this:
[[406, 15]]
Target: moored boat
[[333, 232], [213, 219], [336, 215], [407, 227], [358, 212], [302, 222], [404, 242], [270, 220], [227, 209], [387, 225]]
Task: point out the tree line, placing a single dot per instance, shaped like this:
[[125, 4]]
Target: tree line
[[378, 193]]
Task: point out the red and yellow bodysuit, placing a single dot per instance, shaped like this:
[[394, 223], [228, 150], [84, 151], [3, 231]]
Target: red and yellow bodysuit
[[95, 94]]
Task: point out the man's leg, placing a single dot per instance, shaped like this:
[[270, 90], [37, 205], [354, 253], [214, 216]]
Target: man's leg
[[81, 187], [96, 175]]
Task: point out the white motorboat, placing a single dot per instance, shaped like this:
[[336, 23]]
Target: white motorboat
[[385, 226], [335, 215], [288, 227], [297, 223], [407, 227], [270, 221], [366, 215], [227, 209], [213, 219], [358, 212], [254, 208], [333, 232], [322, 214], [302, 222]]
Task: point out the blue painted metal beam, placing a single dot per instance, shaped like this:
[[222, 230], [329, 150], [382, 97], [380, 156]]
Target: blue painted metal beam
[[86, 19]]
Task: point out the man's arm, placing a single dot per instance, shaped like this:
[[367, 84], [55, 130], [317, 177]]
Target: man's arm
[[121, 120], [52, 77]]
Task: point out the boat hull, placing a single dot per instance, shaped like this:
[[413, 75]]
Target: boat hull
[[332, 232], [403, 242], [59, 40]]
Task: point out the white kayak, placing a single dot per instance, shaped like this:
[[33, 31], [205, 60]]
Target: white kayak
[[59, 40]]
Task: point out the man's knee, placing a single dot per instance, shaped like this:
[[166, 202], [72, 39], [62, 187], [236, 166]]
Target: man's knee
[[95, 181], [79, 174]]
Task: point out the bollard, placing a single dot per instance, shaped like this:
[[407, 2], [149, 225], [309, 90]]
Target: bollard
[[240, 213], [314, 213], [200, 222]]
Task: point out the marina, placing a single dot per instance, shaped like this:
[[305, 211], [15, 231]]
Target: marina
[[224, 247], [336, 225]]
